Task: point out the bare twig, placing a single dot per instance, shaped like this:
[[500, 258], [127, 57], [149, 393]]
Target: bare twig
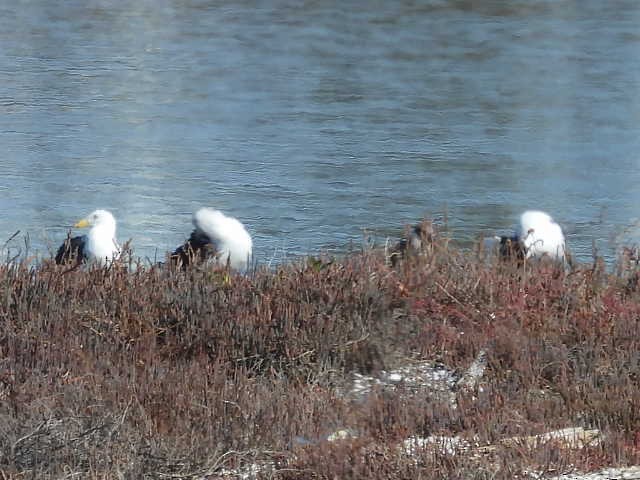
[[39, 429]]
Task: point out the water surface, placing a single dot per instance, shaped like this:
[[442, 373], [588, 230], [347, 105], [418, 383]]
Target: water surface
[[314, 122]]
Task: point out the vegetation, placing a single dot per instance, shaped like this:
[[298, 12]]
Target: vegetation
[[154, 372]]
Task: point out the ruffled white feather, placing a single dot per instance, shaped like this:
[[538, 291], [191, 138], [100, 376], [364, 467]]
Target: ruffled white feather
[[540, 235], [232, 241]]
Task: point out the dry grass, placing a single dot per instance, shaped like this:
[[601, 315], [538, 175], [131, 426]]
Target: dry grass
[[158, 373]]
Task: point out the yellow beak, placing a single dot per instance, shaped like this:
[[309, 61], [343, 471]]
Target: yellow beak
[[82, 223]]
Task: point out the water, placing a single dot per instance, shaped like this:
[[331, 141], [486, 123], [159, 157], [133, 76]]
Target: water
[[314, 123]]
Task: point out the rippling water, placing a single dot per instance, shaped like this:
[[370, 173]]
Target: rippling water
[[313, 122]]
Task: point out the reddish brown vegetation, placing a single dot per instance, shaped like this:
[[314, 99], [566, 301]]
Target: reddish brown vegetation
[[159, 372]]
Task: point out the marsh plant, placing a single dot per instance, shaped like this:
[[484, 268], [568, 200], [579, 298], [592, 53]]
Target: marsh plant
[[156, 372]]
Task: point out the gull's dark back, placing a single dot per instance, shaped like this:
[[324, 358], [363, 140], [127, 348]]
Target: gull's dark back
[[195, 250], [72, 250], [511, 248]]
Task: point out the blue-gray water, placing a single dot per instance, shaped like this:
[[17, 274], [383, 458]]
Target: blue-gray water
[[314, 121]]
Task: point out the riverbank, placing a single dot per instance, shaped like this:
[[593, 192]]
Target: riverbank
[[310, 369]]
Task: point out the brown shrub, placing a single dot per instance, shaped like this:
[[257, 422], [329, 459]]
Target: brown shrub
[[138, 373]]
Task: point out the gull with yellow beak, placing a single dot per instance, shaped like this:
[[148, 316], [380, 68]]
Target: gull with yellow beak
[[99, 245]]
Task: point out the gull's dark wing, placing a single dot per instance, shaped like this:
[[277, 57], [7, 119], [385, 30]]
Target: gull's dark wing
[[511, 247], [196, 249], [72, 250]]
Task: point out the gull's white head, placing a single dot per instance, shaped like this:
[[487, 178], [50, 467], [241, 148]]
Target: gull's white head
[[101, 243], [540, 235], [98, 218], [232, 241]]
